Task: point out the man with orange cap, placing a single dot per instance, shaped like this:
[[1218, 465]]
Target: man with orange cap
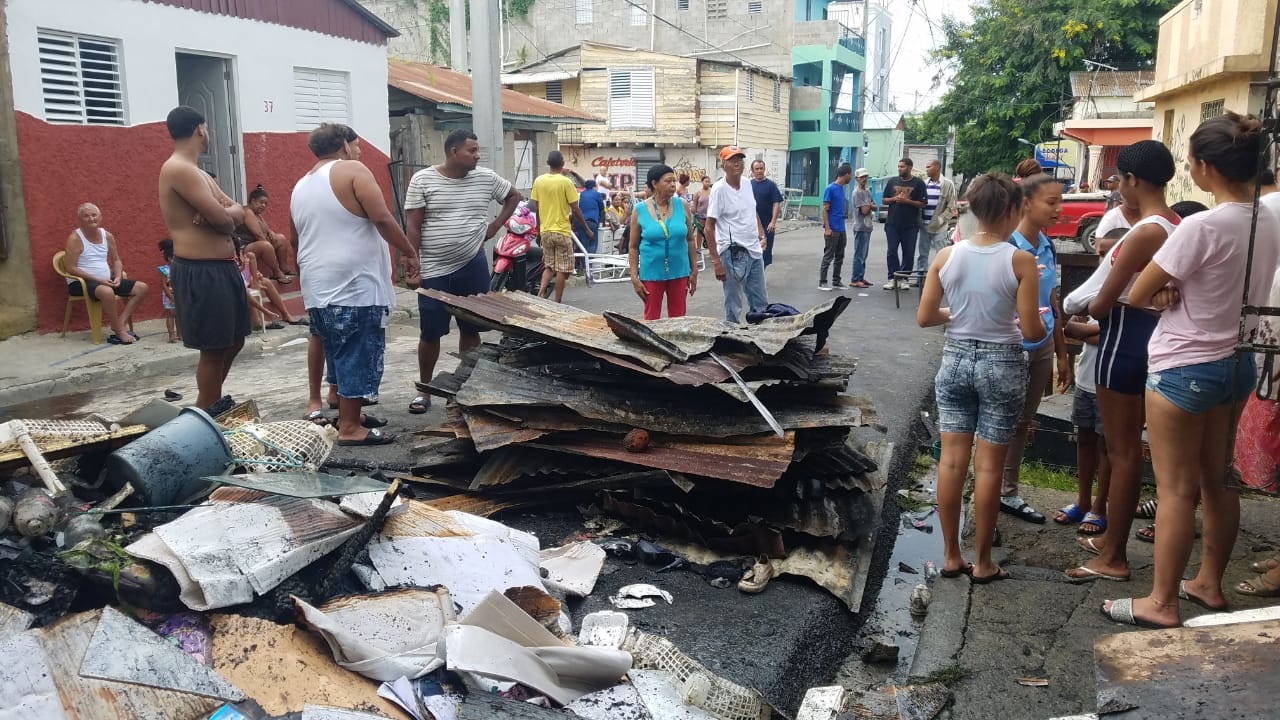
[[734, 228]]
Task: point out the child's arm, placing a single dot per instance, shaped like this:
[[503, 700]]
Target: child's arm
[[1082, 331]]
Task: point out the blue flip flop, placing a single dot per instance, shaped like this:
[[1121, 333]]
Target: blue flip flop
[[1073, 513], [1093, 518]]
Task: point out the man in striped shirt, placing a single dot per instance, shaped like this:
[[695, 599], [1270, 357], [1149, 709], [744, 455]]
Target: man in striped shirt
[[445, 210], [938, 217]]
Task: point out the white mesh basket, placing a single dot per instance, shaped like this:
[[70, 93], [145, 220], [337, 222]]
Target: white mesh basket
[[700, 686], [43, 430], [277, 446]]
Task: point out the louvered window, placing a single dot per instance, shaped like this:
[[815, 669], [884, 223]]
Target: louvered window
[[583, 11], [755, 6], [320, 96], [682, 4], [751, 87], [777, 95], [80, 79], [631, 99], [717, 9], [555, 91]]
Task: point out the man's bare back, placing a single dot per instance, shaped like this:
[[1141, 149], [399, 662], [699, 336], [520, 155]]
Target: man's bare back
[[187, 197]]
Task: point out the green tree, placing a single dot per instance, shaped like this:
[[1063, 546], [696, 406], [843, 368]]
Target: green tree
[[1009, 69], [928, 128]]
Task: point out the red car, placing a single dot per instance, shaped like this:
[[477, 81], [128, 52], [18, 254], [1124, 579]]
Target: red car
[[1081, 213]]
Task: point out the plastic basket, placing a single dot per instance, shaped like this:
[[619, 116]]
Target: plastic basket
[[699, 686], [276, 446], [57, 430]]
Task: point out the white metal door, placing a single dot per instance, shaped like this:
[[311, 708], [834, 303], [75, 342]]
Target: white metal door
[[204, 83], [524, 164]]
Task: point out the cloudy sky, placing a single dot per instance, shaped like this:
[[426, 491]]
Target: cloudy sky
[[917, 27]]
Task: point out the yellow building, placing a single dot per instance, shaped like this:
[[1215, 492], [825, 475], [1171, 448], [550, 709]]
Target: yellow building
[[659, 108], [1208, 53]]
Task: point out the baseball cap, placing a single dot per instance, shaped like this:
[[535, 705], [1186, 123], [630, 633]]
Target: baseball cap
[[861, 172], [730, 151]]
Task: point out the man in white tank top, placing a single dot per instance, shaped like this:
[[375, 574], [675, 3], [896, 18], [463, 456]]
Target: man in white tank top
[[92, 256], [341, 227]]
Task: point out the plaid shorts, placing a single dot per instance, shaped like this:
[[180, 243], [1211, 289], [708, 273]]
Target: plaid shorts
[[557, 252]]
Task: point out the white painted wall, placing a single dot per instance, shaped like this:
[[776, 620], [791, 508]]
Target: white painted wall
[[263, 56]]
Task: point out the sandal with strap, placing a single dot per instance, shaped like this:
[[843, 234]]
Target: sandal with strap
[[757, 577], [1260, 586], [1146, 510], [1069, 515], [317, 417], [419, 405], [1262, 566], [1122, 612], [1099, 522]]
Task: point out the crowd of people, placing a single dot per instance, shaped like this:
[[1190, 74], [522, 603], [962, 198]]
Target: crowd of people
[[1159, 320]]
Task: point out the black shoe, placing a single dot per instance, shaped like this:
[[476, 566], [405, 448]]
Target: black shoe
[[1019, 508]]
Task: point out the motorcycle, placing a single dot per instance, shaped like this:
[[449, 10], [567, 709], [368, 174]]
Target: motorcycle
[[517, 257]]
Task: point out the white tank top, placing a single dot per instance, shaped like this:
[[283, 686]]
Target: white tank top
[[983, 293], [341, 257], [93, 257]]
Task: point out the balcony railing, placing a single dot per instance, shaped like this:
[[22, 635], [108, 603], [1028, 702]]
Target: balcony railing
[[829, 33], [852, 41], [843, 122]]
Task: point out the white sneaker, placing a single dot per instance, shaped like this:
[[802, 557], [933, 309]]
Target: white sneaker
[[890, 285], [824, 287], [904, 285]]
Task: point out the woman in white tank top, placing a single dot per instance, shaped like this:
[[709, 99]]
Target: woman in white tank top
[[981, 385]]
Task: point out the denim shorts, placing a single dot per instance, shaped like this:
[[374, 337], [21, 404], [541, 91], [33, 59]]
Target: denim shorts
[[981, 389], [355, 339], [1085, 414], [1197, 389]]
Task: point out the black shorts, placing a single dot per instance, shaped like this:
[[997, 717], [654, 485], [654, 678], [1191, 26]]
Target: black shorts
[[122, 290], [1122, 349], [213, 308]]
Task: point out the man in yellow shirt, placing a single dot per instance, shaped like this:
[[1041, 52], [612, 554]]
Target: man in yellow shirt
[[555, 199]]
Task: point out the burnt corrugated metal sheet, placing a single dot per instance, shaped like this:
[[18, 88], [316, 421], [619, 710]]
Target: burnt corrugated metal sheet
[[340, 18], [509, 464], [695, 335]]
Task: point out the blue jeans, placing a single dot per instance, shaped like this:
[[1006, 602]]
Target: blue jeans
[[355, 339], [742, 274], [902, 247], [981, 388], [928, 242], [861, 244]]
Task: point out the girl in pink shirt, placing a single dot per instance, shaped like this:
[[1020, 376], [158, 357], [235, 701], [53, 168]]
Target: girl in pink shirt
[[1196, 382]]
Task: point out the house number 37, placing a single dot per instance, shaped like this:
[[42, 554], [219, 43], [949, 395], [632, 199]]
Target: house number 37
[[268, 105]]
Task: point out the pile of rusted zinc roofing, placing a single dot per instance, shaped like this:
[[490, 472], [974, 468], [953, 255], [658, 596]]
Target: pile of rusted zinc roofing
[[749, 449]]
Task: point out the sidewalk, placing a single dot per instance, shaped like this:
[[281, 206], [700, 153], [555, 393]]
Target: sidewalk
[[983, 638], [35, 366]]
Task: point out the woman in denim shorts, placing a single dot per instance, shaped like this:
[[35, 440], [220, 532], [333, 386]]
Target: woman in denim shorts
[[981, 385], [1196, 382]]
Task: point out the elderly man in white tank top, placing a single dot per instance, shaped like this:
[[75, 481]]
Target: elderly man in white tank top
[[91, 255]]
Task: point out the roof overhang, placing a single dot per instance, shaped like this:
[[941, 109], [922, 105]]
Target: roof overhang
[[1211, 72], [1121, 131], [519, 78]]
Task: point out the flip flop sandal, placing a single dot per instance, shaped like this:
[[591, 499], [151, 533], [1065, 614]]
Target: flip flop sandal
[[275, 325], [363, 403], [284, 279], [302, 321], [1000, 574], [1087, 544], [1261, 586], [115, 340], [757, 577], [1023, 511], [1182, 593], [1090, 575], [1122, 612], [1262, 566], [1096, 520], [375, 437], [1069, 515], [966, 570], [371, 421], [134, 335], [1146, 510], [317, 417], [1146, 534], [419, 405]]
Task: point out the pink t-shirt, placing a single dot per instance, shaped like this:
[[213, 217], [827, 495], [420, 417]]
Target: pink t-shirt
[[1207, 256]]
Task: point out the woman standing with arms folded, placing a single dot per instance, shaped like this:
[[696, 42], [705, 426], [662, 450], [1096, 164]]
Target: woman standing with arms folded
[[663, 254], [1197, 384], [1126, 324], [982, 383]]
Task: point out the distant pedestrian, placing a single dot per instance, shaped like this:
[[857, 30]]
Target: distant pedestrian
[[591, 203], [1026, 168], [555, 201], [833, 233], [904, 195], [939, 214], [701, 201], [166, 290], [447, 207], [768, 206], [342, 228], [864, 209], [988, 284], [664, 255], [734, 228], [683, 189], [212, 310], [1113, 185]]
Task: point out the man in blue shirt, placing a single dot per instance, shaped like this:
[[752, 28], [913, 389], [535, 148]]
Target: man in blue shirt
[[833, 206], [768, 205], [591, 202]]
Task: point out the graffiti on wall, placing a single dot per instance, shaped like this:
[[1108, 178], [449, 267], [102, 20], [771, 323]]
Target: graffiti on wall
[[1181, 187], [687, 166]]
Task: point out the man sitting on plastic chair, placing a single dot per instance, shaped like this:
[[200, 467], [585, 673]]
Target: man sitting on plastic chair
[[92, 257]]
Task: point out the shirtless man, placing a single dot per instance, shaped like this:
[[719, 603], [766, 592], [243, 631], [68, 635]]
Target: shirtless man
[[213, 311], [91, 254]]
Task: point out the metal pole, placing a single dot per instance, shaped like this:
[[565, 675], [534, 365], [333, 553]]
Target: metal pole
[[486, 88], [458, 36]]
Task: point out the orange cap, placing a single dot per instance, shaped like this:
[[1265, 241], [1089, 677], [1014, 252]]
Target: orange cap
[[729, 151]]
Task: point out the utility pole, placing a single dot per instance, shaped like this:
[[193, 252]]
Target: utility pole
[[486, 87], [458, 61], [861, 159]]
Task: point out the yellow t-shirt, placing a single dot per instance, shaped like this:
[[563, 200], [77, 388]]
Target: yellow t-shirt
[[554, 193]]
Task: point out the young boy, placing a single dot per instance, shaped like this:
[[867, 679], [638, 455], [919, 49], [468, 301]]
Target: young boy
[[166, 291]]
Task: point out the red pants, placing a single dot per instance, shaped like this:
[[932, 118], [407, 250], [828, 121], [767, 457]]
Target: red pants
[[677, 292]]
